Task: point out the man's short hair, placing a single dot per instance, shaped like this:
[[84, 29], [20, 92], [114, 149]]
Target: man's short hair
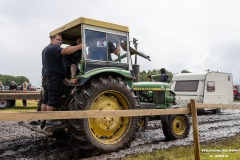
[[54, 36]]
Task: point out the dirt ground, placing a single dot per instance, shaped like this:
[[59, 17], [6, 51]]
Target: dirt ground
[[18, 142]]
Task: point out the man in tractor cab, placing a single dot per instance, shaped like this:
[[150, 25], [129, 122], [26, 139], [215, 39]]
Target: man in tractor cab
[[72, 60], [99, 48], [54, 74]]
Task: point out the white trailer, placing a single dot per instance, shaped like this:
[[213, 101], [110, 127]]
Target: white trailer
[[204, 87]]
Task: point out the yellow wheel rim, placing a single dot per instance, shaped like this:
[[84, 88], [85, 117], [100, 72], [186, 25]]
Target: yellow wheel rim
[[109, 130], [179, 125]]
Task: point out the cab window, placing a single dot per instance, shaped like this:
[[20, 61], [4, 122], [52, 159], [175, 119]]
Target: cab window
[[103, 46]]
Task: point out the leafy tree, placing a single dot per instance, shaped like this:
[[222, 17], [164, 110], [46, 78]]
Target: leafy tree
[[185, 71], [143, 75], [7, 79]]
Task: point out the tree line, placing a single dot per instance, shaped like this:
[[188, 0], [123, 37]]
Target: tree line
[[7, 79], [143, 76]]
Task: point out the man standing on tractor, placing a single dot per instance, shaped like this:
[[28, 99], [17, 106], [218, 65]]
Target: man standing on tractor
[[54, 74], [164, 77]]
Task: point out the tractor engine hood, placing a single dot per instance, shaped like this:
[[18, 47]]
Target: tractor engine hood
[[151, 86]]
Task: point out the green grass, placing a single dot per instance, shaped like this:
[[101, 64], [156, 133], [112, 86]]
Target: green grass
[[230, 150], [30, 103]]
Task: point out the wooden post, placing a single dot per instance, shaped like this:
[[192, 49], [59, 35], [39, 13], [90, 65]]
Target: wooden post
[[195, 130]]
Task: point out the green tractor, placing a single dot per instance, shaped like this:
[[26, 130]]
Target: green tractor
[[109, 81]]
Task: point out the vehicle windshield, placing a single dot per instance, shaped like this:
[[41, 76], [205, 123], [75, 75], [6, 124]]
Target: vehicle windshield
[[102, 46]]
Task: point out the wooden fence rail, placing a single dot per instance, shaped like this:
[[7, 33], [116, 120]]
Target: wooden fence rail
[[25, 116], [220, 106]]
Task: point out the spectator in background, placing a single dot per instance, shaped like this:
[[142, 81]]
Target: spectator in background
[[164, 77], [1, 86], [13, 86], [24, 88]]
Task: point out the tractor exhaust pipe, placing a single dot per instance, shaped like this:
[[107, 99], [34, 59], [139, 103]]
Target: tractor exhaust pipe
[[136, 70]]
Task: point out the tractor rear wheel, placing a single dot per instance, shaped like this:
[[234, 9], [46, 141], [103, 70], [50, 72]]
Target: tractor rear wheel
[[175, 126], [104, 133]]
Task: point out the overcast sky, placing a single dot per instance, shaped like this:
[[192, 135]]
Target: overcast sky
[[176, 34]]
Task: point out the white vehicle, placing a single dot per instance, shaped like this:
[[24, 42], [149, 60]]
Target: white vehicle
[[39, 88], [204, 87]]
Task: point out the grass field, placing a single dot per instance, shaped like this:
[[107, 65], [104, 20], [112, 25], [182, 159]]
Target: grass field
[[30, 103], [224, 149]]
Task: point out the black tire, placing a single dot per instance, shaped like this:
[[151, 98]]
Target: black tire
[[175, 126], [4, 103], [101, 134]]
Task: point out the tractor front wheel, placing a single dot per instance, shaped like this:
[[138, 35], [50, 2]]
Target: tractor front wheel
[[175, 126]]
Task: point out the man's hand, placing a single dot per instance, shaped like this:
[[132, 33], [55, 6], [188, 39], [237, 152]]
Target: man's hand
[[66, 82]]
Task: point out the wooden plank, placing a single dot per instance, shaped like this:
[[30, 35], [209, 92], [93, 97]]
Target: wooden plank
[[222, 106], [28, 116], [18, 91], [195, 129], [28, 95]]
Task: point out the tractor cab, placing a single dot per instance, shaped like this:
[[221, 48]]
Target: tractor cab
[[105, 46]]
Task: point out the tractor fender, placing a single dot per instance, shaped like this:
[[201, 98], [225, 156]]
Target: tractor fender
[[83, 79]]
